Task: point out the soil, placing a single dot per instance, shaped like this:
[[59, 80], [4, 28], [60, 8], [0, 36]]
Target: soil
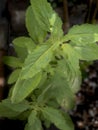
[[85, 113]]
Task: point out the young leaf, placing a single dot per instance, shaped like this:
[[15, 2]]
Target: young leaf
[[33, 27], [25, 42], [56, 29], [42, 12], [33, 122], [12, 61], [14, 76], [23, 88], [47, 18], [37, 60], [7, 109], [56, 117]]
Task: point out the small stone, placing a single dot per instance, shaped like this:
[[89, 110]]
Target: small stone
[[96, 123], [80, 124]]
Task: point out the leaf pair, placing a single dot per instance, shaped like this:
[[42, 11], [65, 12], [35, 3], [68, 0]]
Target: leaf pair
[[52, 115]]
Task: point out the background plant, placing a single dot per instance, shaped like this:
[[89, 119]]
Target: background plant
[[46, 72]]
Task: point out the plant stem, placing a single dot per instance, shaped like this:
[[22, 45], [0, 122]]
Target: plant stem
[[66, 16]]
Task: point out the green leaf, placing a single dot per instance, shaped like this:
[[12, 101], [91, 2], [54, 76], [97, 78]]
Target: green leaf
[[71, 69], [46, 93], [47, 18], [71, 55], [83, 39], [37, 60], [60, 86], [47, 124], [25, 42], [21, 52], [7, 109], [24, 115], [6, 112], [57, 88], [12, 61], [20, 107], [23, 88], [84, 29], [87, 52], [68, 119], [33, 27], [56, 117], [63, 92], [14, 76], [56, 29], [43, 12], [84, 34], [33, 122]]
